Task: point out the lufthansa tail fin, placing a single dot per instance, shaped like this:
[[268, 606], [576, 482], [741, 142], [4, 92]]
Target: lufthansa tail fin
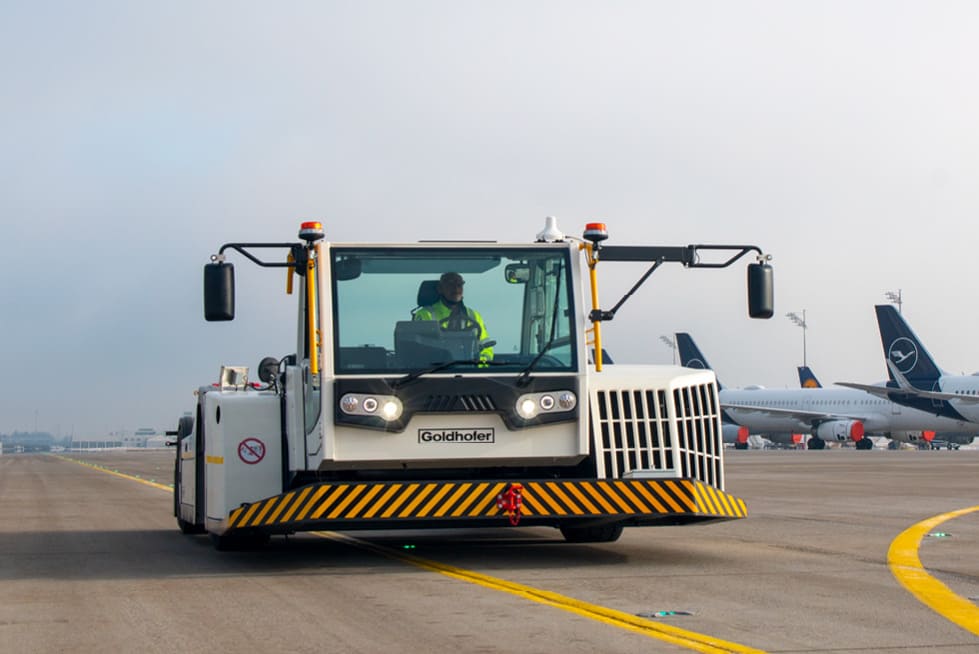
[[807, 379], [690, 354], [907, 359]]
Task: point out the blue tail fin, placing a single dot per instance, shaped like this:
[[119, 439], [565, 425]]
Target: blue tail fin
[[690, 354], [903, 350], [807, 379]]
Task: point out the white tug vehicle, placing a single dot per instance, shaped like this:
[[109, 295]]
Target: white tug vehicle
[[382, 420]]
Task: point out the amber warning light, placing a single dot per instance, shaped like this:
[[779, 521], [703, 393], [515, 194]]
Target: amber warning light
[[595, 232], [311, 231]]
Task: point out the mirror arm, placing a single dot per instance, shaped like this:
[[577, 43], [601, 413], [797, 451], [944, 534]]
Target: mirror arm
[[687, 255], [294, 247]]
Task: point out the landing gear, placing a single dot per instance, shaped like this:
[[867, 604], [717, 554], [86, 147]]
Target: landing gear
[[740, 446], [865, 444], [816, 444]]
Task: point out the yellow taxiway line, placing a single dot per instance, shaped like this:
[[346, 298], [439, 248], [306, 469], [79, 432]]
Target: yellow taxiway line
[[666, 633], [902, 557]]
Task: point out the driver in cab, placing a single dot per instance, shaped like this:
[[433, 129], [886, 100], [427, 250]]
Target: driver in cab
[[453, 315]]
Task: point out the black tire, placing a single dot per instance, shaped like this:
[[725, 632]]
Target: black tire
[[865, 444], [237, 542], [740, 446], [189, 527], [599, 534]]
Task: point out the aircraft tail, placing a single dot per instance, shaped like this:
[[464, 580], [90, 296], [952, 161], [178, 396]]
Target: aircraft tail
[[807, 378], [907, 358], [690, 354]]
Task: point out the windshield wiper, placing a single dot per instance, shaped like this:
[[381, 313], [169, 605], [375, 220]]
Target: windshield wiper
[[412, 376]]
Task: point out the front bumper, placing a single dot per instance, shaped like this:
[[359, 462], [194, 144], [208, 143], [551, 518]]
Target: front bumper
[[404, 505]]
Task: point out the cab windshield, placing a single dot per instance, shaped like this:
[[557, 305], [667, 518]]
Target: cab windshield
[[485, 310]]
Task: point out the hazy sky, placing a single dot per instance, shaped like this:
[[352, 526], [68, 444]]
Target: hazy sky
[[136, 138]]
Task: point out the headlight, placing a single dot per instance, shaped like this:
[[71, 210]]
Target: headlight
[[386, 407], [533, 404]]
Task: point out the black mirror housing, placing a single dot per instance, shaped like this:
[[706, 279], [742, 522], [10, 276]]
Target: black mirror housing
[[761, 291], [219, 291]]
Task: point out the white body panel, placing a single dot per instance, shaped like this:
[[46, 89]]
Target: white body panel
[[242, 451]]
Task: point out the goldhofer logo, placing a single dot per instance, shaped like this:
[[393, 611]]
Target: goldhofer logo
[[486, 435]]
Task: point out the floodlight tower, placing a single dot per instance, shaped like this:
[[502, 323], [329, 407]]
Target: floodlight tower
[[670, 343], [794, 317]]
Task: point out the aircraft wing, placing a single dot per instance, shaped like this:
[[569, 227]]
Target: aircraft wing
[[906, 390], [798, 414]]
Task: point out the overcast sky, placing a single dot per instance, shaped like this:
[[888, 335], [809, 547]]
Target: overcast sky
[[136, 138]]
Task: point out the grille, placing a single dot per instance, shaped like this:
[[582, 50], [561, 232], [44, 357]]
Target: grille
[[449, 403], [674, 431]]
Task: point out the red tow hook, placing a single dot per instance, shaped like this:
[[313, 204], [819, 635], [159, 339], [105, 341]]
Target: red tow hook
[[510, 502]]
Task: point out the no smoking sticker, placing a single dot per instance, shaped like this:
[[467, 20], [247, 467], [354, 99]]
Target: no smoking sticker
[[251, 450]]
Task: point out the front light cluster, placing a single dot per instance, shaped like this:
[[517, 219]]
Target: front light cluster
[[386, 407], [533, 404]]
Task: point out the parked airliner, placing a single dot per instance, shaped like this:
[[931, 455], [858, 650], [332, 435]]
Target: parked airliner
[[915, 380], [829, 414]]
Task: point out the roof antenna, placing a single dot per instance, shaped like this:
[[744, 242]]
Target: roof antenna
[[551, 233]]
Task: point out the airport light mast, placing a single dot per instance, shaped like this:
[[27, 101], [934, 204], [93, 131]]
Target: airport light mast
[[670, 343], [895, 298], [794, 317]]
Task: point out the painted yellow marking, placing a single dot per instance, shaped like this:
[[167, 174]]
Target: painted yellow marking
[[645, 491], [627, 491], [392, 489], [145, 482], [666, 497], [282, 505], [480, 509], [539, 498], [264, 512], [425, 492], [663, 632], [351, 496], [398, 502], [362, 503], [452, 500], [902, 557], [683, 490], [336, 491], [470, 499], [296, 504], [613, 492], [666, 633], [589, 507], [312, 502], [558, 490], [594, 494], [216, 460], [248, 514], [426, 510]]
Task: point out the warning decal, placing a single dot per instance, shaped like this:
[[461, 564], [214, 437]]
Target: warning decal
[[251, 450]]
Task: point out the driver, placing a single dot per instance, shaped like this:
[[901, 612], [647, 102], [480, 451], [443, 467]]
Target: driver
[[453, 315]]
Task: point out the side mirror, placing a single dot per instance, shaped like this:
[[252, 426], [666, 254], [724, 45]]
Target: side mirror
[[219, 291], [761, 291], [517, 273], [347, 269]]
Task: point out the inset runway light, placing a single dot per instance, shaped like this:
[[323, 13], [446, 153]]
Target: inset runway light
[[939, 534], [663, 614]]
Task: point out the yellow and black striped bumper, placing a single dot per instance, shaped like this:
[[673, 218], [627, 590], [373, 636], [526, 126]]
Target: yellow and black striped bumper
[[379, 505]]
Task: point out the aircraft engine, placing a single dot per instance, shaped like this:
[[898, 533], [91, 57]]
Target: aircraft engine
[[840, 430], [735, 434], [912, 436]]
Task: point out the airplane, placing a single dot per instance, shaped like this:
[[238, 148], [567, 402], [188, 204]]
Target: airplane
[[922, 439], [828, 414], [807, 378], [915, 379]]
